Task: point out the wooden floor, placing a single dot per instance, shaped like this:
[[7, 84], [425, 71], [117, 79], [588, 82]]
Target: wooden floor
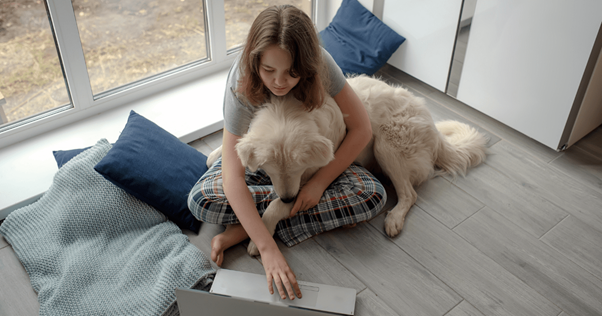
[[519, 235]]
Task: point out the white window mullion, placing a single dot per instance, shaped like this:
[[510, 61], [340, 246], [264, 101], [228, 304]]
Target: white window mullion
[[72, 55], [216, 22]]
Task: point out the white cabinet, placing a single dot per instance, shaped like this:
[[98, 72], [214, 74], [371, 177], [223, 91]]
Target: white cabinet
[[429, 27], [529, 63]]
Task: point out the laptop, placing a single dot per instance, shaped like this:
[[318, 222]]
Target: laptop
[[235, 292]]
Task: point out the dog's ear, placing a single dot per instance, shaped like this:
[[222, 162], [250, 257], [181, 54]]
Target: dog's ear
[[246, 152], [318, 153]]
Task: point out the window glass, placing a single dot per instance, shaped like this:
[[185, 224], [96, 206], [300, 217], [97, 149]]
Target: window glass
[[31, 78], [125, 41], [241, 13]]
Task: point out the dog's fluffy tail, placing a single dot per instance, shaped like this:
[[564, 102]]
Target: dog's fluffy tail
[[462, 147]]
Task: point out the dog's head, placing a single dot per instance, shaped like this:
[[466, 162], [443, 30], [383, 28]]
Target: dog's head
[[284, 142]]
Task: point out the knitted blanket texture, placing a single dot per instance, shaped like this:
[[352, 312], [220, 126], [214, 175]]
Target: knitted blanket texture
[[90, 248]]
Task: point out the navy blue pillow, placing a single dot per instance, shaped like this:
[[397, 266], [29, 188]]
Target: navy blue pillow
[[358, 41], [156, 167], [63, 156]]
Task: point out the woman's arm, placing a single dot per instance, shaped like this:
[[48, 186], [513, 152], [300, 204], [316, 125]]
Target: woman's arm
[[239, 197], [359, 133]]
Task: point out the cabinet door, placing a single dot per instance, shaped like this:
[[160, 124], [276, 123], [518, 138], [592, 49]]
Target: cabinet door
[[525, 60], [429, 27]]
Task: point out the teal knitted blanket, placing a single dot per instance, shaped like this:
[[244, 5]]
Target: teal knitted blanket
[[90, 248]]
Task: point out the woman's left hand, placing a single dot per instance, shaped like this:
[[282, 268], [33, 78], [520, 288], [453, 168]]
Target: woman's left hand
[[308, 197]]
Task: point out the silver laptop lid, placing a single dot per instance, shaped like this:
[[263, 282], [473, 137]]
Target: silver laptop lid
[[321, 297], [201, 303]]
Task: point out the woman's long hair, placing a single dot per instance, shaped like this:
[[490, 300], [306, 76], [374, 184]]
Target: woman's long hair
[[293, 31]]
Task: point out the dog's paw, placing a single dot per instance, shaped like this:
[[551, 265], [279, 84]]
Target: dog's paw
[[213, 156], [394, 224], [252, 249]]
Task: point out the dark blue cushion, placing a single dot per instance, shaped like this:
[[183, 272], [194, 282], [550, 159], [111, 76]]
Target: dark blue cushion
[[63, 156], [156, 167], [358, 41]]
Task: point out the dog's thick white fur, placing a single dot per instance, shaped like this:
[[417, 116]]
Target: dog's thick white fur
[[290, 144]]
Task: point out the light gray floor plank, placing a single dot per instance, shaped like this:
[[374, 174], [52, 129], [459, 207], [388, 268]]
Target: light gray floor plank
[[311, 263], [17, 297], [201, 145], [446, 202], [428, 260], [579, 242], [544, 269], [545, 181], [214, 140], [464, 309], [403, 284], [368, 304], [518, 203], [473, 275], [581, 166], [502, 131]]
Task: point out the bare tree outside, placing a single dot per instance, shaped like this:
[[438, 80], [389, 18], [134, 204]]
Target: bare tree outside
[[123, 41]]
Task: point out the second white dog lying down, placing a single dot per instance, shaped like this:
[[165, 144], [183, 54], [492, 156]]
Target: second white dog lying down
[[291, 144]]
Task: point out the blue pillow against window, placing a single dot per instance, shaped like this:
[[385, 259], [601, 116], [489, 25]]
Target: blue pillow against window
[[358, 41], [63, 156], [156, 167]]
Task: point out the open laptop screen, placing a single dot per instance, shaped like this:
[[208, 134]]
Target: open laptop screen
[[251, 286], [196, 303]]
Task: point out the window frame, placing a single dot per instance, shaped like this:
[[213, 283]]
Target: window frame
[[83, 102]]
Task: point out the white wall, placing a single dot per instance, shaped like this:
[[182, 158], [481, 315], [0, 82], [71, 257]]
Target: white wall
[[468, 12], [590, 113]]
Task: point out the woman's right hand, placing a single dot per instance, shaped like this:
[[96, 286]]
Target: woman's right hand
[[277, 269]]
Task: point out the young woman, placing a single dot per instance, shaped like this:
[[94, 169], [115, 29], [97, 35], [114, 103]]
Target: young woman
[[282, 55]]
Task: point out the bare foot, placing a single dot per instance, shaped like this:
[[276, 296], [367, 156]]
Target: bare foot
[[233, 235]]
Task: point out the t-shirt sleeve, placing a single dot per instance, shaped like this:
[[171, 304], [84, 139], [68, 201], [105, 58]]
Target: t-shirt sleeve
[[337, 78], [237, 114]]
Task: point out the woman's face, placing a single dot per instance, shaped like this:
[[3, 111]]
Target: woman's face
[[274, 69]]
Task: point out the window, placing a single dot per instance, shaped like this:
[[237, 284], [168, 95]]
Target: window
[[64, 60], [31, 79], [125, 41]]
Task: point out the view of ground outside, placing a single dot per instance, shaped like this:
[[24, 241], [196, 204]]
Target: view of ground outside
[[122, 41]]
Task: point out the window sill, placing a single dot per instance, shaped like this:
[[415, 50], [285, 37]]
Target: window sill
[[188, 111]]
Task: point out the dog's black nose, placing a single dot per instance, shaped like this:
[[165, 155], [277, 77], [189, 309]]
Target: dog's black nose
[[287, 200]]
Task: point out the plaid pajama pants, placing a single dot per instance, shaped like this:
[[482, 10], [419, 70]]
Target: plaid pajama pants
[[355, 196]]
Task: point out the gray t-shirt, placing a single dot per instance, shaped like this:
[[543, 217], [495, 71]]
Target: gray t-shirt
[[238, 113]]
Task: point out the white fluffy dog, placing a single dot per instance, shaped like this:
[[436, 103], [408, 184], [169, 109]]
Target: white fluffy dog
[[290, 144]]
